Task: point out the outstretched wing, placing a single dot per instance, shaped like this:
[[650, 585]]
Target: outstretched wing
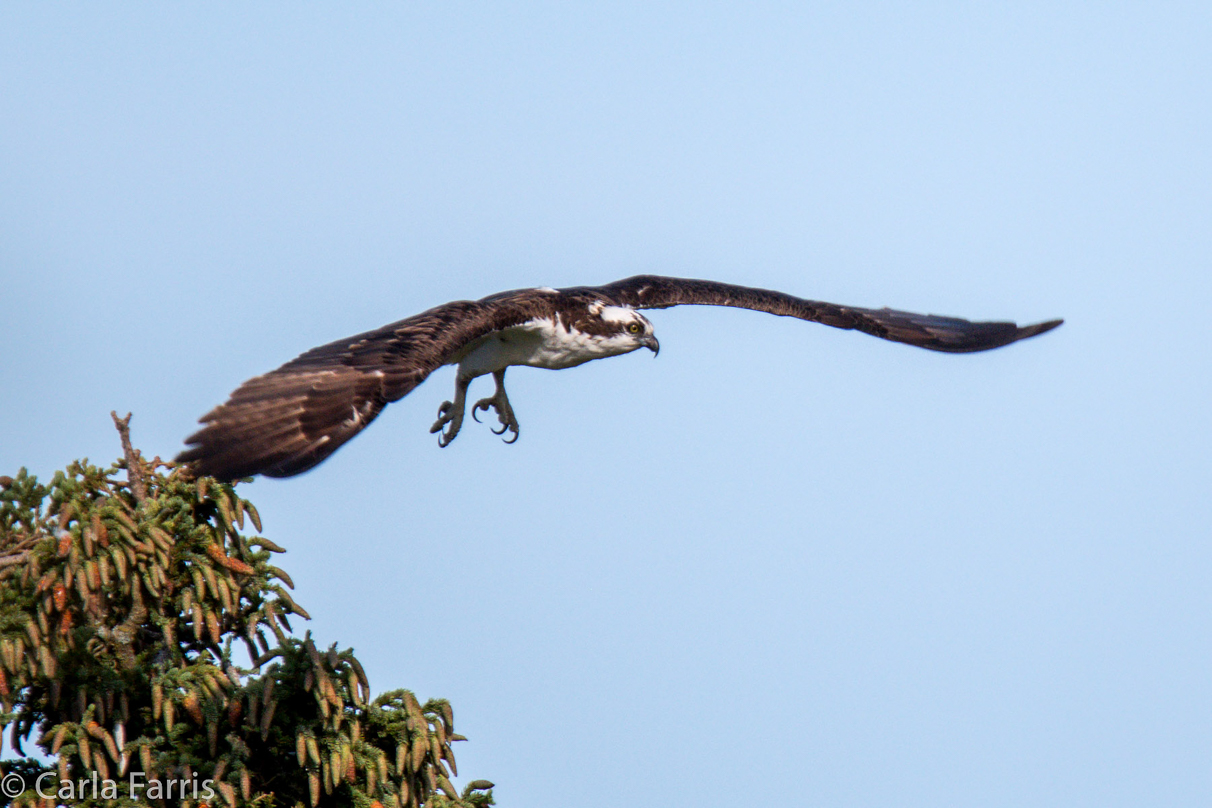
[[930, 331], [290, 419]]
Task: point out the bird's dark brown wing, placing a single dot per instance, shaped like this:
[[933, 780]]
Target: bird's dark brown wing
[[288, 420], [930, 331]]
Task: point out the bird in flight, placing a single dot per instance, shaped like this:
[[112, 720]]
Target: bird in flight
[[289, 420]]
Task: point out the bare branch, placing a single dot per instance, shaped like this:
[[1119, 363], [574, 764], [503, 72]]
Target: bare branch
[[134, 462]]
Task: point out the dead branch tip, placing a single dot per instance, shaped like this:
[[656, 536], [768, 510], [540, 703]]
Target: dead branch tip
[[134, 463]]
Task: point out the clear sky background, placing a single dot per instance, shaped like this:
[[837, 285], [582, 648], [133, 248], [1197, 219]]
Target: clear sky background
[[779, 562]]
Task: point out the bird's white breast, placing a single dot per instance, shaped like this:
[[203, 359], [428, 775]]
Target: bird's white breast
[[540, 343]]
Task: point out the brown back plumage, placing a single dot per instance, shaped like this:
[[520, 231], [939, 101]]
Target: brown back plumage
[[289, 420]]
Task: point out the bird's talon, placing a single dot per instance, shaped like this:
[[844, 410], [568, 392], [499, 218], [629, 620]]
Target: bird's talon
[[450, 420]]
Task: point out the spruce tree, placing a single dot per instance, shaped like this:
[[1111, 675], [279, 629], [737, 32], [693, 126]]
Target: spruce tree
[[146, 639]]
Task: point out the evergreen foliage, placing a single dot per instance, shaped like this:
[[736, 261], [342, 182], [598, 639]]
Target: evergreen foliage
[[123, 608]]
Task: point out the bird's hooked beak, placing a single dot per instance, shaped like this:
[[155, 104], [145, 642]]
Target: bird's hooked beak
[[650, 342]]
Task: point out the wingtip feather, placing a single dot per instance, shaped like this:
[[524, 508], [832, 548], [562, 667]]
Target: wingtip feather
[[1028, 331]]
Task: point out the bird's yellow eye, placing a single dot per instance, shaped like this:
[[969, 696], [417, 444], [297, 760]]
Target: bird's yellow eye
[[634, 328]]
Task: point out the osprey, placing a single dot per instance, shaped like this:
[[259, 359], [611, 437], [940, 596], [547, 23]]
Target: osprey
[[290, 419]]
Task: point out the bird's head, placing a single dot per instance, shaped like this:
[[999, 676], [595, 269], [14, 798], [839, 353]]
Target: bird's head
[[621, 329]]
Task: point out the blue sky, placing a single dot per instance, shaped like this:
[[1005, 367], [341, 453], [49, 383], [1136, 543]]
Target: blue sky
[[777, 562]]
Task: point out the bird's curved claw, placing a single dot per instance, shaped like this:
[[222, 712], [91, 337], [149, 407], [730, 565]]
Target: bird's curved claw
[[482, 404], [451, 419], [509, 421]]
